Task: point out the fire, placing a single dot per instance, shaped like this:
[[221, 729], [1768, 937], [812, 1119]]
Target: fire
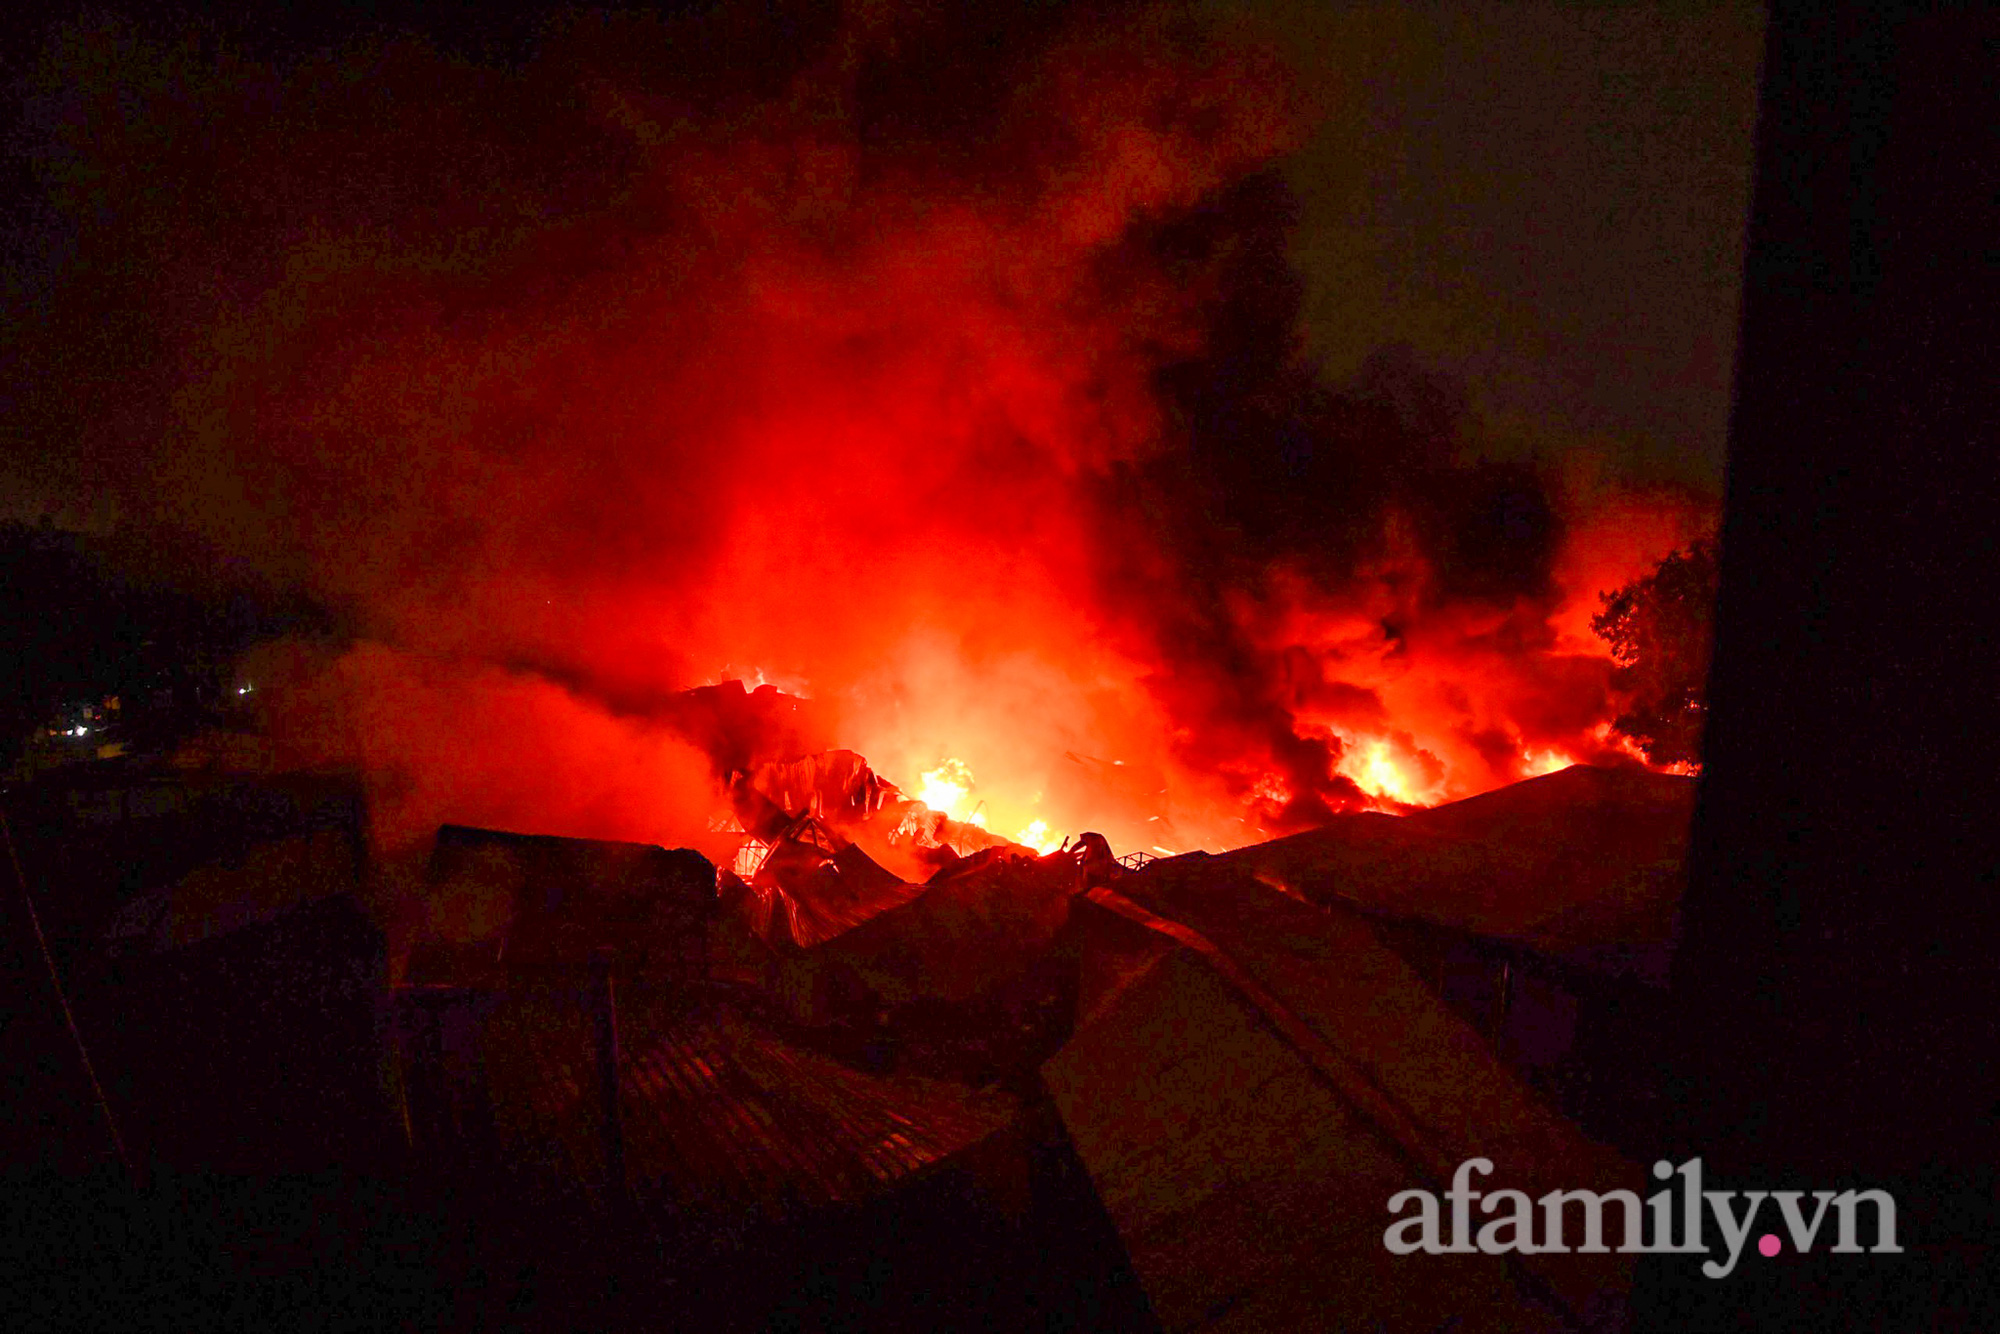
[[1038, 837], [1380, 775], [947, 788], [893, 441], [1536, 763]]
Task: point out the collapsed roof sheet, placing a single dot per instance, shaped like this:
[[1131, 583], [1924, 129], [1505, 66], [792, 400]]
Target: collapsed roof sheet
[[553, 872], [1575, 864], [540, 898], [1256, 1078], [800, 897], [969, 927], [259, 885], [835, 785]]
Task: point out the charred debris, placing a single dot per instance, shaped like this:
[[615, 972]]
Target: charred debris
[[877, 1054]]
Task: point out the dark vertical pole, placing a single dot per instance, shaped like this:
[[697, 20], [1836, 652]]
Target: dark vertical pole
[[402, 1041], [429, 1092], [605, 1003], [1503, 988], [62, 1002]]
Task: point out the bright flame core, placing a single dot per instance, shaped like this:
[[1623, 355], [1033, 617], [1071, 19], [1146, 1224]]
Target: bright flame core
[[1380, 776], [1038, 837], [1537, 763], [946, 789]]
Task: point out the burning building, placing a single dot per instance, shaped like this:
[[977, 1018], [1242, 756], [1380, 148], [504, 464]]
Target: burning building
[[1005, 464], [792, 509]]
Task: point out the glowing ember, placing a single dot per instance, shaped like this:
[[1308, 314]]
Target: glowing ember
[[749, 857]]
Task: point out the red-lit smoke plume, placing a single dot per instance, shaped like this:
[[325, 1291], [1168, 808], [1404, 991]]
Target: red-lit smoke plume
[[983, 425]]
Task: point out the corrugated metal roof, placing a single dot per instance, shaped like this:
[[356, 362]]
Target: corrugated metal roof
[[1252, 1068], [726, 1123], [1579, 864]]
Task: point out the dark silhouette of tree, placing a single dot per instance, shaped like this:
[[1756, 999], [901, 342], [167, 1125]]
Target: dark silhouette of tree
[[1662, 632]]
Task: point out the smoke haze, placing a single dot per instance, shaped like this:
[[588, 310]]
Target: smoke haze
[[949, 376]]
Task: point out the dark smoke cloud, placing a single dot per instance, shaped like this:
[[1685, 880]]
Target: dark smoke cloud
[[1269, 473], [946, 370]]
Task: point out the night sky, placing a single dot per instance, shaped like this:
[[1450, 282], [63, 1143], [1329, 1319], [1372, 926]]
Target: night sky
[[1547, 198]]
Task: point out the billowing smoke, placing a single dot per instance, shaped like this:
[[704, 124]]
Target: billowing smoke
[[946, 376]]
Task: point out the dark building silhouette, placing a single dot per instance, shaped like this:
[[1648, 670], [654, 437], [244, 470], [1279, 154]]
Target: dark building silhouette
[[1836, 980]]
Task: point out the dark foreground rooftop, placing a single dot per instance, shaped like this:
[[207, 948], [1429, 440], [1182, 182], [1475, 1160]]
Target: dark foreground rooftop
[[726, 1123]]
